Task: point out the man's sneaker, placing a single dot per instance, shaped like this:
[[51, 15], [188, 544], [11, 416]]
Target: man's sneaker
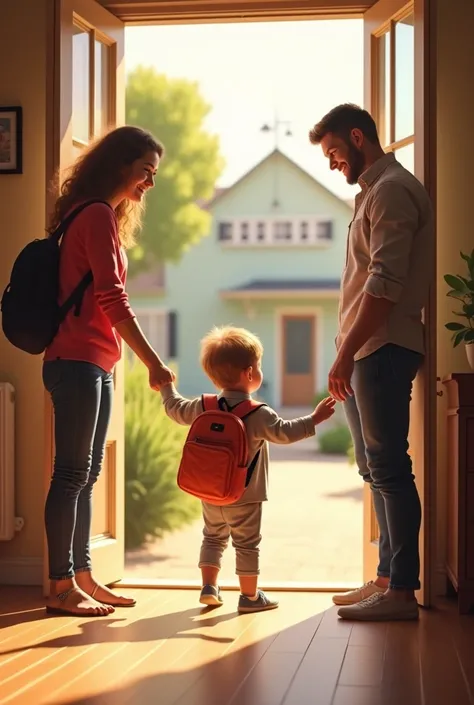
[[261, 604], [211, 596], [378, 608], [355, 596]]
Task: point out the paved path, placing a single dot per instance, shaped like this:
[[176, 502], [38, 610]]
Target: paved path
[[312, 526]]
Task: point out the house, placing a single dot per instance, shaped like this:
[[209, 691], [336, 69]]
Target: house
[[299, 654], [271, 263]]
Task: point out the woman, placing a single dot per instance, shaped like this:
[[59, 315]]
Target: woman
[[79, 363]]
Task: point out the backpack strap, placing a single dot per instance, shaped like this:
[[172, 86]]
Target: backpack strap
[[210, 402], [246, 407], [243, 410], [64, 224], [76, 296]]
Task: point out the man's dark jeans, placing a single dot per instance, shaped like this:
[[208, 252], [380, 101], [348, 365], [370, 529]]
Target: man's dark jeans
[[378, 416], [82, 398]]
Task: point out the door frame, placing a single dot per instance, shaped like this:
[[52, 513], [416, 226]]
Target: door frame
[[425, 81], [318, 361], [425, 168], [60, 16]]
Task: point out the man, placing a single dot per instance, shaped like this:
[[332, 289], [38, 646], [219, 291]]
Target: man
[[380, 347]]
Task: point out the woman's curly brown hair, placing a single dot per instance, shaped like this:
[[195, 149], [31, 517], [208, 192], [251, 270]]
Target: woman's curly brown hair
[[99, 173]]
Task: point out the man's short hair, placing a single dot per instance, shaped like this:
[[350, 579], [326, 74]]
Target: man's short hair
[[342, 120]]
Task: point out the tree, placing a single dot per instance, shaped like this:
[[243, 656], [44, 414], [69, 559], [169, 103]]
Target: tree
[[174, 111]]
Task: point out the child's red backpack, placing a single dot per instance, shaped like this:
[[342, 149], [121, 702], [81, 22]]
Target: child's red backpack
[[215, 463]]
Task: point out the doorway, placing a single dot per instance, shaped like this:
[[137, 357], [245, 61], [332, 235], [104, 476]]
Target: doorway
[[387, 18]]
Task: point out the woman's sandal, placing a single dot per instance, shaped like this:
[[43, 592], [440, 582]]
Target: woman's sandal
[[63, 611], [112, 604]]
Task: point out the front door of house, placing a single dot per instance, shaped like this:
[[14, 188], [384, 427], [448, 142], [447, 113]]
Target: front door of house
[[396, 55], [298, 360], [88, 68]]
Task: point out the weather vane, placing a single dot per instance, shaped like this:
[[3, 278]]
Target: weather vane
[[275, 128]]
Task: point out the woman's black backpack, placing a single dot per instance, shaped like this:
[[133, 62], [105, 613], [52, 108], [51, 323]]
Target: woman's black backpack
[[31, 315]]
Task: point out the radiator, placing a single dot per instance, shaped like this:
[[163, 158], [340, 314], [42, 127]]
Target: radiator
[[7, 462]]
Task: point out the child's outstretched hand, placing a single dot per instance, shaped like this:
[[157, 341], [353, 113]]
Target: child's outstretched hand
[[324, 410]]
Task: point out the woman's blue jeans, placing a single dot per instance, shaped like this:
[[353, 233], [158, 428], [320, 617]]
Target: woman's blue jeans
[[82, 396]]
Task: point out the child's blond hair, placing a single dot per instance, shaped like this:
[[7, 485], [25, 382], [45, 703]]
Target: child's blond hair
[[227, 351]]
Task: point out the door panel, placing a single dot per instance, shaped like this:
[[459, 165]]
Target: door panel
[[88, 62], [298, 363], [396, 59]]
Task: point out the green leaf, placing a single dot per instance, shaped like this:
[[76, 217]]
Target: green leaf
[[468, 310], [469, 337], [455, 326], [455, 283], [469, 259], [454, 294], [459, 337]]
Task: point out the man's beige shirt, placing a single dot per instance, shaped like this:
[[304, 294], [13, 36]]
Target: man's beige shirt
[[389, 255]]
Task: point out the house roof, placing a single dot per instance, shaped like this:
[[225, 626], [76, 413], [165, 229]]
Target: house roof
[[271, 288], [221, 192]]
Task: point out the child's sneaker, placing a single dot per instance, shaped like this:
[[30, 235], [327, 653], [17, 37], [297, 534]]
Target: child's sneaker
[[211, 596], [259, 605]]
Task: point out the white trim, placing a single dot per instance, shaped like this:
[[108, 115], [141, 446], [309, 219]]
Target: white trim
[[280, 293], [161, 344], [270, 240], [21, 571], [317, 312]]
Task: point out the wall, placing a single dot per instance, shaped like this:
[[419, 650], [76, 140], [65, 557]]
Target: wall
[[22, 207], [193, 286], [455, 158]]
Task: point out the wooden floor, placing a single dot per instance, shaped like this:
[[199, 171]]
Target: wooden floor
[[167, 651]]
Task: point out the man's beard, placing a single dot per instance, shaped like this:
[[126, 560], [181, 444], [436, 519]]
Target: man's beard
[[356, 164]]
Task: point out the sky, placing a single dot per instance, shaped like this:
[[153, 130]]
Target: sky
[[252, 73]]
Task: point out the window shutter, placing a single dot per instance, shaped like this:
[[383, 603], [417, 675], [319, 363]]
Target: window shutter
[[172, 335]]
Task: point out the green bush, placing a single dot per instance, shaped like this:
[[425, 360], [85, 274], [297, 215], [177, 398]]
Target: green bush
[[320, 396], [154, 504], [336, 441], [351, 454]]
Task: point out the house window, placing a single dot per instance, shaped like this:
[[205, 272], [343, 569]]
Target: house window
[[155, 326], [260, 231], [304, 230], [324, 230], [282, 231], [225, 232], [244, 232]]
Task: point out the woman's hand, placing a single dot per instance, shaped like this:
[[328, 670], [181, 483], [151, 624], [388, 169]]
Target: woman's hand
[[160, 375]]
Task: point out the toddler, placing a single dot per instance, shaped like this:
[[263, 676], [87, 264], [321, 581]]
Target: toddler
[[232, 359]]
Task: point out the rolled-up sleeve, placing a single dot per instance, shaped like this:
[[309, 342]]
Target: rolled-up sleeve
[[394, 221], [103, 252]]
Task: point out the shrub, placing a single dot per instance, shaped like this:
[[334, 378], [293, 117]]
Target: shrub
[[154, 504], [336, 441], [351, 454], [320, 396]]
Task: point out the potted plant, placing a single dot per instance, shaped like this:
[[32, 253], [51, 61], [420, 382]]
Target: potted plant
[[462, 289]]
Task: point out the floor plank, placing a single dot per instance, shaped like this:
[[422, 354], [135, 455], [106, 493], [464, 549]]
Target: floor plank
[[169, 651]]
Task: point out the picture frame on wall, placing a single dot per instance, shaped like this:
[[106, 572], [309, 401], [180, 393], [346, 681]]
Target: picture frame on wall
[[11, 140]]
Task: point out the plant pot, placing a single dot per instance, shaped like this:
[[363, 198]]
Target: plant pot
[[470, 355]]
